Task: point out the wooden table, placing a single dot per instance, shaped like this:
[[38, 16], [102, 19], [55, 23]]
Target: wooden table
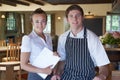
[[8, 67], [3, 48]]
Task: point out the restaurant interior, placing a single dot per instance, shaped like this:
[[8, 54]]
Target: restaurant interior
[[101, 17]]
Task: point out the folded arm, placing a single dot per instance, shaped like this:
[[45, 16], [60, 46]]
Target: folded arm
[[103, 73]]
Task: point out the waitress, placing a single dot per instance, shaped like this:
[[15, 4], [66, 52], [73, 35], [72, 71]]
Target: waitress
[[33, 44], [80, 51]]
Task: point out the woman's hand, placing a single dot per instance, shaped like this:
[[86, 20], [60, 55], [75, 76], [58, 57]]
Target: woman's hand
[[55, 54], [47, 70], [55, 77]]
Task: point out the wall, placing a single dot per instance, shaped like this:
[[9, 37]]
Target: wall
[[58, 10], [59, 23], [2, 28], [95, 8]]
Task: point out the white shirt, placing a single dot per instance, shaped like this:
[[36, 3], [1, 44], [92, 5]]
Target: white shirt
[[96, 49], [34, 44]]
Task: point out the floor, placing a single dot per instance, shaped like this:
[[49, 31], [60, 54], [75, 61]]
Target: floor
[[115, 76]]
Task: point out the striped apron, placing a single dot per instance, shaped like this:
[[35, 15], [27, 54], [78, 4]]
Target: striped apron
[[78, 64]]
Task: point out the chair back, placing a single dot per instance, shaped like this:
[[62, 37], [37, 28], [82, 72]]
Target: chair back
[[13, 52], [2, 43]]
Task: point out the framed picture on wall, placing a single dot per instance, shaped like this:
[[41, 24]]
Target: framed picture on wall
[[95, 24]]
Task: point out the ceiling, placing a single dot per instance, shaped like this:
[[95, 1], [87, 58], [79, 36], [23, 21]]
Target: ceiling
[[52, 2]]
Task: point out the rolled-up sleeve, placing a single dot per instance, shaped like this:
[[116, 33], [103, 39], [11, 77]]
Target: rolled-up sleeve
[[26, 45], [98, 53]]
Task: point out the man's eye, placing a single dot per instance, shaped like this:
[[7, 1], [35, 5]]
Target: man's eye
[[43, 21], [78, 15], [70, 16], [36, 21]]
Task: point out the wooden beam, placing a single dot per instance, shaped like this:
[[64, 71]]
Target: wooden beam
[[20, 2], [8, 2], [36, 2]]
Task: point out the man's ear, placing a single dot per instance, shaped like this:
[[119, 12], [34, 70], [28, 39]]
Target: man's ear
[[67, 20]]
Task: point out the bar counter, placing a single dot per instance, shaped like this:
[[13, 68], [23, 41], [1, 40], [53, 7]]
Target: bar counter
[[113, 54], [112, 49]]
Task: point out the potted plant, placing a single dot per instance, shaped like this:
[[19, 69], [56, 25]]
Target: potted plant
[[109, 41]]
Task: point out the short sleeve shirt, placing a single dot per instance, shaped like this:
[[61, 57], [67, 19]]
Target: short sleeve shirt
[[34, 44], [96, 49]]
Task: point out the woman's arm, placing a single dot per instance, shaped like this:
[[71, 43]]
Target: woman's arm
[[28, 67], [58, 70]]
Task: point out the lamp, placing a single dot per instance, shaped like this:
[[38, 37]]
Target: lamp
[[59, 18], [89, 14], [2, 16]]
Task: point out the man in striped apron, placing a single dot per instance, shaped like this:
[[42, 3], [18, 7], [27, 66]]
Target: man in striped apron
[[79, 65], [80, 51]]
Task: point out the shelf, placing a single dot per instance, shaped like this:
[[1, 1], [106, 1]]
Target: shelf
[[112, 49], [113, 54]]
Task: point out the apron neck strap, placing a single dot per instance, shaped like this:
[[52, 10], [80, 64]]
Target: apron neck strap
[[85, 33]]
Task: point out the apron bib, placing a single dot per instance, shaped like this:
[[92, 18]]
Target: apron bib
[[78, 64]]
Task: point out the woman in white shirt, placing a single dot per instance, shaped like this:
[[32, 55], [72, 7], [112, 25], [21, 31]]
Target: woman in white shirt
[[33, 44]]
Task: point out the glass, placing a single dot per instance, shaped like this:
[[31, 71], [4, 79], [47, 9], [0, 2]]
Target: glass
[[113, 23]]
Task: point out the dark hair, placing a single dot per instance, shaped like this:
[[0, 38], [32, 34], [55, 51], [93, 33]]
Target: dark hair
[[38, 11], [74, 7]]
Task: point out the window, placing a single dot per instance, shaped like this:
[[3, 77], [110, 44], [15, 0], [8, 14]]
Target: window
[[48, 26], [11, 22], [113, 23]]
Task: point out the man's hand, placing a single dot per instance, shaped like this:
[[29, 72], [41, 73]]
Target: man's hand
[[55, 77], [102, 73], [100, 77]]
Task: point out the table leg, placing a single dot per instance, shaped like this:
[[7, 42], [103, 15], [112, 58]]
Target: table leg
[[9, 72]]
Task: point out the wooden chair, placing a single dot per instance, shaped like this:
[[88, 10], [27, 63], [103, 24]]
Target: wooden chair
[[12, 56], [2, 43], [18, 40], [13, 53]]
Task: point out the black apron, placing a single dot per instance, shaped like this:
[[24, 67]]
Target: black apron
[[78, 64]]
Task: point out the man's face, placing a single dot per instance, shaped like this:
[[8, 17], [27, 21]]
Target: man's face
[[39, 22], [75, 19]]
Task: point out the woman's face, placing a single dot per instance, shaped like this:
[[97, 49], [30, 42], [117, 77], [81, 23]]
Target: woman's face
[[75, 19], [39, 22]]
